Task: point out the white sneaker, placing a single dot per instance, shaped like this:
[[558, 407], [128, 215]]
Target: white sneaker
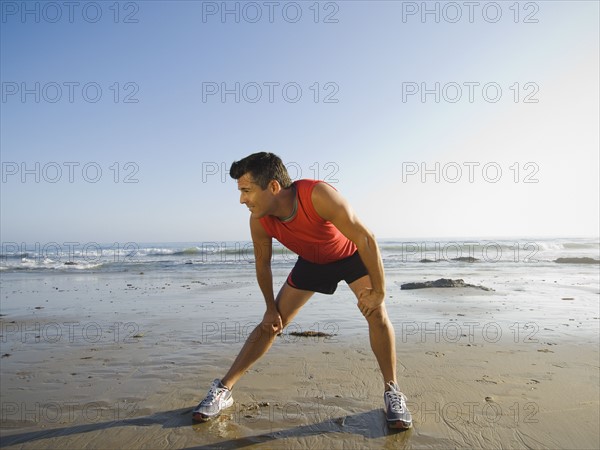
[[397, 414], [217, 399]]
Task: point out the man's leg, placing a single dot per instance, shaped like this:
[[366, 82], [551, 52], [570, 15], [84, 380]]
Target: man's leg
[[289, 301], [381, 334], [383, 343]]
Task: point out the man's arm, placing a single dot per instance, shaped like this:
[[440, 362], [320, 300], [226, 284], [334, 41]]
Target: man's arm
[[263, 251], [331, 206]]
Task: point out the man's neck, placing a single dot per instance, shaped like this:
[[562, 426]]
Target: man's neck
[[287, 205]]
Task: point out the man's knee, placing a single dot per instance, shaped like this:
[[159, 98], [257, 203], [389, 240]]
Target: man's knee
[[286, 318], [378, 316], [260, 332]]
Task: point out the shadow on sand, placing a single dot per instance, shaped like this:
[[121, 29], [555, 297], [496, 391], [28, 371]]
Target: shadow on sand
[[368, 425]]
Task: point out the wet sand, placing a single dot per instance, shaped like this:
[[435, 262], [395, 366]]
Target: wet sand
[[95, 363]]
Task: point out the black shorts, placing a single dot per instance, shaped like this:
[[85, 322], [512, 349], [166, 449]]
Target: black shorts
[[324, 278]]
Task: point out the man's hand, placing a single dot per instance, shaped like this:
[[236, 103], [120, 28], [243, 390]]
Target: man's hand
[[369, 300], [271, 322]]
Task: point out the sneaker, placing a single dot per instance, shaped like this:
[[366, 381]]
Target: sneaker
[[217, 399], [397, 414]]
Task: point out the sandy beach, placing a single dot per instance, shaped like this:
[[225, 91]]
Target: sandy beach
[[119, 360]]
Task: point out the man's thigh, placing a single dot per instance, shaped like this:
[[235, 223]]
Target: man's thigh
[[360, 285], [290, 300]]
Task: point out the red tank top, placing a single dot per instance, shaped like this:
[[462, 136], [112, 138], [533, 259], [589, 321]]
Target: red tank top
[[306, 233]]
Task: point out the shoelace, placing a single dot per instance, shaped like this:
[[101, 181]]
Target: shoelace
[[395, 398], [212, 395]]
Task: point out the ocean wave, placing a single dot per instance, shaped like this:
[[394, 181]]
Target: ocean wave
[[14, 256], [203, 255], [581, 245], [27, 264]]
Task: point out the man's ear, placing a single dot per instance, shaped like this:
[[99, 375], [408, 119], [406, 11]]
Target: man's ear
[[274, 187]]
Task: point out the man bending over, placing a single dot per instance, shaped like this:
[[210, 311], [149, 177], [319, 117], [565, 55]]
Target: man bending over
[[313, 220]]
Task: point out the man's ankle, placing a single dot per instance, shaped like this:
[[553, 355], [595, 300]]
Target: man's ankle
[[389, 384]]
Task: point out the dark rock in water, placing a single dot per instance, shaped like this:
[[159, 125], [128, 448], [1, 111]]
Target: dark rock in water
[[70, 263], [425, 260], [584, 260], [468, 259], [442, 283]]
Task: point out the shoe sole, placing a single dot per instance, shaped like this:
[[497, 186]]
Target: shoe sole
[[201, 418], [399, 425]]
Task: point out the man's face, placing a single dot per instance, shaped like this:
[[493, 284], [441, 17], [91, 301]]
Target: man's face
[[257, 200]]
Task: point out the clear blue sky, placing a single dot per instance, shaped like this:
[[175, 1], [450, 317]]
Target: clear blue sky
[[370, 131]]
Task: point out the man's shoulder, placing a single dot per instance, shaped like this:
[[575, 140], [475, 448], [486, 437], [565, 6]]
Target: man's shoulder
[[309, 184], [306, 182]]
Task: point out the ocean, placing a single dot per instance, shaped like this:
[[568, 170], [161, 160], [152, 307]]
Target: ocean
[[527, 281], [197, 257]]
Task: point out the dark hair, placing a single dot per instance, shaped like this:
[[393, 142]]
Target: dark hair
[[263, 167]]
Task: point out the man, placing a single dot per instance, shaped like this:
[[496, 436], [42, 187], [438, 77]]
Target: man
[[311, 219]]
